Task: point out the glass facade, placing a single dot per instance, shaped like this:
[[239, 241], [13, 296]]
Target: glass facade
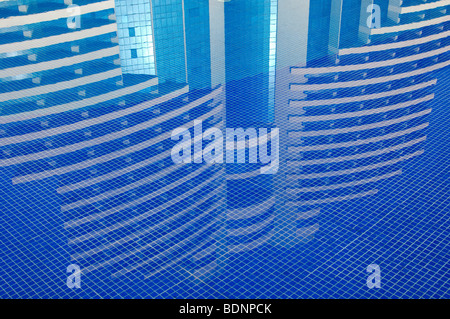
[[134, 28], [169, 25]]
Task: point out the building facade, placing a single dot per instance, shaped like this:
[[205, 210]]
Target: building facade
[[353, 103], [90, 96]]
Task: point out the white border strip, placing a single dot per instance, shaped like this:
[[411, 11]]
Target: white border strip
[[76, 104], [377, 80], [406, 27], [359, 127], [395, 45], [334, 199], [328, 160], [60, 63], [54, 15], [331, 117], [99, 140], [420, 7], [359, 98], [65, 85], [321, 147], [294, 177], [371, 65], [294, 191], [57, 39]]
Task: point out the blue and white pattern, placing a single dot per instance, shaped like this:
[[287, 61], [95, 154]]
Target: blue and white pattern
[[91, 91]]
